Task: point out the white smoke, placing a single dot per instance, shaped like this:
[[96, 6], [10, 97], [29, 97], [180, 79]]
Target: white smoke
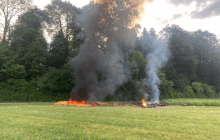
[[157, 56]]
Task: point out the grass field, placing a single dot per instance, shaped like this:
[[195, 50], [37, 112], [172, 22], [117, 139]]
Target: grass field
[[46, 121], [193, 102]]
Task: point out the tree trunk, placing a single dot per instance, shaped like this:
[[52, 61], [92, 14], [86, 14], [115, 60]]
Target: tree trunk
[[5, 30], [60, 24], [67, 27]]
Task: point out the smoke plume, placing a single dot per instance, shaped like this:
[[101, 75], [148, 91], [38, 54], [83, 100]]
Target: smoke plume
[[101, 65], [157, 56]]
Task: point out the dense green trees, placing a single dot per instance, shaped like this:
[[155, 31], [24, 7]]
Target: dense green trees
[[194, 61], [57, 81], [58, 51], [133, 88], [8, 66], [31, 69], [27, 61], [29, 44], [34, 18]]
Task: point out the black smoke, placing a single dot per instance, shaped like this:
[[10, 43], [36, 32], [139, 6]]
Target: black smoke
[[102, 65]]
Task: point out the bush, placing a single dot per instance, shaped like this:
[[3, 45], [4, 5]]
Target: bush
[[166, 86], [189, 93], [57, 81], [180, 81], [176, 94], [8, 66], [19, 90], [209, 91], [198, 88], [203, 90]]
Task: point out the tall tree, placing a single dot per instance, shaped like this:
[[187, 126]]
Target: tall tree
[[62, 15], [59, 51], [34, 18], [75, 42], [29, 43], [195, 56], [207, 53], [182, 53], [10, 9]]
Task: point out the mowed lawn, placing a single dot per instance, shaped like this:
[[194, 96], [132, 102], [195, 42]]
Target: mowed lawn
[[193, 102], [47, 121]]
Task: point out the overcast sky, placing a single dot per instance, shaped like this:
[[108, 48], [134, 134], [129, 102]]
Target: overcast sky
[[188, 14]]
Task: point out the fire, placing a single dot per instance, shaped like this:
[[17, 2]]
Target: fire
[[158, 103], [77, 103], [144, 104], [61, 103], [71, 102], [135, 5], [74, 103]]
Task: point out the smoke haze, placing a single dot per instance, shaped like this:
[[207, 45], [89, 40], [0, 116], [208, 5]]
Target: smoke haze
[[157, 56], [108, 43]]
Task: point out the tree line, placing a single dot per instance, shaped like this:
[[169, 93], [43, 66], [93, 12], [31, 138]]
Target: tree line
[[33, 70]]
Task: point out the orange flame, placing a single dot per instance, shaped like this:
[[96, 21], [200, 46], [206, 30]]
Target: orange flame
[[135, 5], [71, 102], [144, 104], [76, 103], [158, 103]]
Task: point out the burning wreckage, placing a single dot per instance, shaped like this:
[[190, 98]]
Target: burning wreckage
[[143, 103], [109, 39]]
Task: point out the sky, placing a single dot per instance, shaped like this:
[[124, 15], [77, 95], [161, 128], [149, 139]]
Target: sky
[[190, 15]]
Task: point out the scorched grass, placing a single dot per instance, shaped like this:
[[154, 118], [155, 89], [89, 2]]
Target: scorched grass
[[47, 121]]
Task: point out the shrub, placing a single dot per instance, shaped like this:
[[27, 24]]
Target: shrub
[[12, 70], [57, 81], [209, 91], [19, 90], [203, 90], [198, 89], [166, 86], [180, 81], [189, 93]]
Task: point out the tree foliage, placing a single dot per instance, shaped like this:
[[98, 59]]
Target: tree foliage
[[193, 55], [57, 81], [59, 51], [10, 9], [30, 45], [8, 66], [62, 15], [34, 18], [31, 69], [134, 88]]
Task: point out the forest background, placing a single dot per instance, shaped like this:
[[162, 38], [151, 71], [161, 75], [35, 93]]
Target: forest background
[[33, 70]]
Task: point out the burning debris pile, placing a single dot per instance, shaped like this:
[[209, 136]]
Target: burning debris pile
[[109, 32], [142, 104], [74, 103]]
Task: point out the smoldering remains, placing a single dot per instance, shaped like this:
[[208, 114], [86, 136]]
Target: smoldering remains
[[157, 56]]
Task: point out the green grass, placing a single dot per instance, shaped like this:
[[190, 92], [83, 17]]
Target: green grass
[[46, 121], [193, 102]]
